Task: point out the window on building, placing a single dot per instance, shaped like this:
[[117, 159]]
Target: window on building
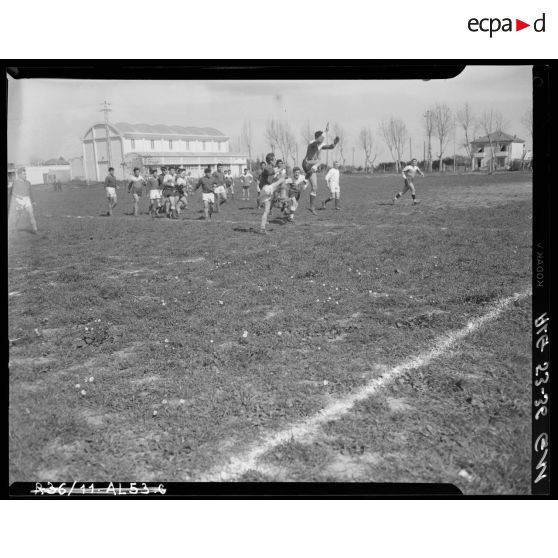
[[170, 144], [504, 148], [187, 145], [153, 145], [133, 144], [204, 143]]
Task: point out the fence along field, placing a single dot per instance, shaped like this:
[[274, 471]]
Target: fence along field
[[166, 350]]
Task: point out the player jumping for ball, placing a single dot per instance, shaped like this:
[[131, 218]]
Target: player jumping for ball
[[409, 173], [311, 164]]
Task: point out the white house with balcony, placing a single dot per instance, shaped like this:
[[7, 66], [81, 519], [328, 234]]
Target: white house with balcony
[[499, 147], [125, 146]]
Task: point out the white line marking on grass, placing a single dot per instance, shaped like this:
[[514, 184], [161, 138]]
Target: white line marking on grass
[[308, 428]]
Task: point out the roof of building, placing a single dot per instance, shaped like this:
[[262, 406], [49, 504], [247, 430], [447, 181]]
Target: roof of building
[[141, 130], [187, 154], [59, 161], [498, 136]]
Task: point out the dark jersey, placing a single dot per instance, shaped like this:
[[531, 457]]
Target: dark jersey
[[313, 154], [219, 178], [153, 183], [267, 175], [21, 188], [206, 183], [110, 181]]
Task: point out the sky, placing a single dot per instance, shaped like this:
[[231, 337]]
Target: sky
[[48, 118]]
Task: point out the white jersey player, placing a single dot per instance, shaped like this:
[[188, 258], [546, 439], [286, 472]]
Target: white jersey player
[[332, 179]]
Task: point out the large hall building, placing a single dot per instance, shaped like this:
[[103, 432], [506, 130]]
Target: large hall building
[[125, 146]]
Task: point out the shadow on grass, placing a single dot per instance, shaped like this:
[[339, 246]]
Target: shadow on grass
[[245, 229]]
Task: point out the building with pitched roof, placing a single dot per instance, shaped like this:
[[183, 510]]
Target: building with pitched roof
[[498, 150], [125, 146]]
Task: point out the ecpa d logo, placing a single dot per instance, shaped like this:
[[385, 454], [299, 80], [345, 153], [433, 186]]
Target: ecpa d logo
[[492, 25]]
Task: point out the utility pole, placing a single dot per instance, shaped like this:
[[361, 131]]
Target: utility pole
[[326, 141], [428, 117], [353, 158], [424, 153], [106, 109]]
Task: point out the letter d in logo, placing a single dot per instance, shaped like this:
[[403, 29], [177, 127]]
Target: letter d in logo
[[539, 24]]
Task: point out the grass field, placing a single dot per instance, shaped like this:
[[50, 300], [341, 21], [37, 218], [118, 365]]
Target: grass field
[[149, 318]]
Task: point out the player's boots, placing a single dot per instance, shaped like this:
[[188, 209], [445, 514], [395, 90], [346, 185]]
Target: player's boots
[[337, 204], [312, 202]]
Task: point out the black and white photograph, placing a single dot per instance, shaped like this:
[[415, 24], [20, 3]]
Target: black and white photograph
[[272, 280]]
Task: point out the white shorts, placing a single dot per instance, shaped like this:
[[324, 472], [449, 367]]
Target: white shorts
[[155, 194], [23, 202], [334, 190], [266, 193], [292, 205], [111, 191], [209, 197], [221, 190]]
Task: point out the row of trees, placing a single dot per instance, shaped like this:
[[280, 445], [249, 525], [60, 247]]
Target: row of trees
[[440, 124]]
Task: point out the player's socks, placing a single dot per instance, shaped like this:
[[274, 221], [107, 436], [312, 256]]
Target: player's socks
[[337, 204]]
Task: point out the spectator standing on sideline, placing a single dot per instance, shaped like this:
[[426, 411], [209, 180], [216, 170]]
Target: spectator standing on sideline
[[22, 196]]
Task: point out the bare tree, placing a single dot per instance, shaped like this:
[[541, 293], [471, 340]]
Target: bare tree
[[247, 139], [468, 124], [443, 126], [287, 142], [490, 121], [395, 134], [500, 123], [307, 133], [527, 121], [366, 141], [280, 137], [340, 133], [235, 143], [272, 133]]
